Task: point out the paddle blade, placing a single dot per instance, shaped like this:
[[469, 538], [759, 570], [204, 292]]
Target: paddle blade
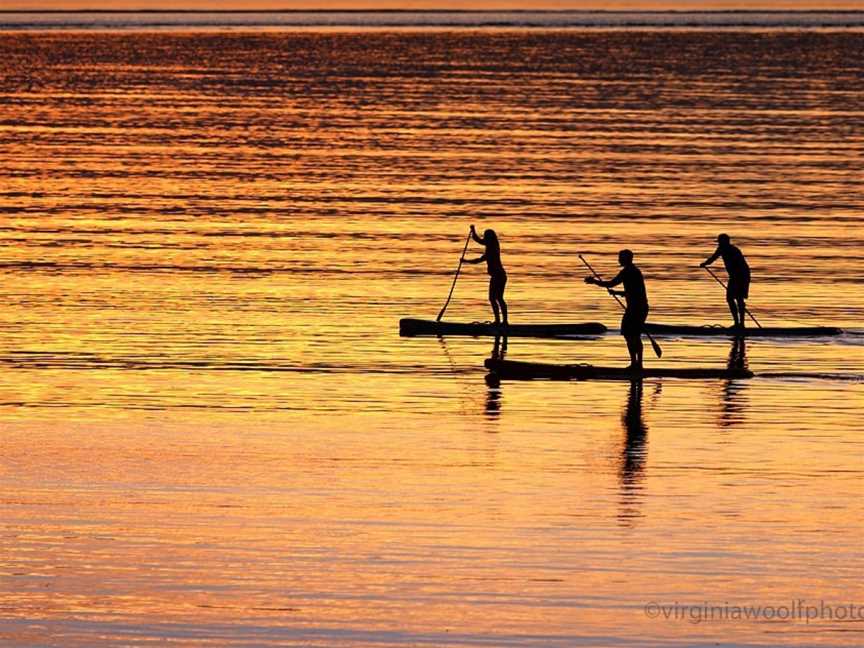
[[657, 350]]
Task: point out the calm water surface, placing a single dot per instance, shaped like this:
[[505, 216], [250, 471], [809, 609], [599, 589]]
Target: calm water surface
[[213, 435]]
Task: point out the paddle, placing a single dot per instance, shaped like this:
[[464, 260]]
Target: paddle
[[458, 268], [657, 350], [720, 281]]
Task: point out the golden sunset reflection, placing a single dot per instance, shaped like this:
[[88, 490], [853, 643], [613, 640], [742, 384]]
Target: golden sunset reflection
[[213, 434]]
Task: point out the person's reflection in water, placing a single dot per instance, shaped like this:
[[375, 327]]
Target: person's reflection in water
[[633, 456], [499, 350], [731, 411], [738, 353], [493, 395]]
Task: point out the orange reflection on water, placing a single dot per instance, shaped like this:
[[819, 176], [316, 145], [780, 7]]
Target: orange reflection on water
[[212, 432]]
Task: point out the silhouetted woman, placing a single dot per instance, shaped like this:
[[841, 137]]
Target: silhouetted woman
[[497, 276]]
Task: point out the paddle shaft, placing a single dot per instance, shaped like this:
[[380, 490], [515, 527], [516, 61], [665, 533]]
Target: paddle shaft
[[720, 281], [594, 272], [453, 285], [657, 350]]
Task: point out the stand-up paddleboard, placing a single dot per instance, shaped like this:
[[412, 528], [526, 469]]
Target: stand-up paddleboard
[[514, 370], [415, 327], [728, 331]]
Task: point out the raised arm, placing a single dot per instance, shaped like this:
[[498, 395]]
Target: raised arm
[[710, 259], [476, 238]]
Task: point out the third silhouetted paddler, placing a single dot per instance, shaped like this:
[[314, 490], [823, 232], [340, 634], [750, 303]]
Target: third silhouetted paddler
[[636, 312], [495, 269], [738, 288]]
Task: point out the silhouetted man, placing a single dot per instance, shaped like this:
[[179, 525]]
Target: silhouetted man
[[738, 288], [636, 312]]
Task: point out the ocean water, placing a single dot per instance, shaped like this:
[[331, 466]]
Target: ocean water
[[212, 433], [419, 19]]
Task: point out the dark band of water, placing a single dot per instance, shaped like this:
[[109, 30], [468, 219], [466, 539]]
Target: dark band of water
[[131, 20]]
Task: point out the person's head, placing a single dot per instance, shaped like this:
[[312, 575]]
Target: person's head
[[625, 257], [723, 240], [489, 236]]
